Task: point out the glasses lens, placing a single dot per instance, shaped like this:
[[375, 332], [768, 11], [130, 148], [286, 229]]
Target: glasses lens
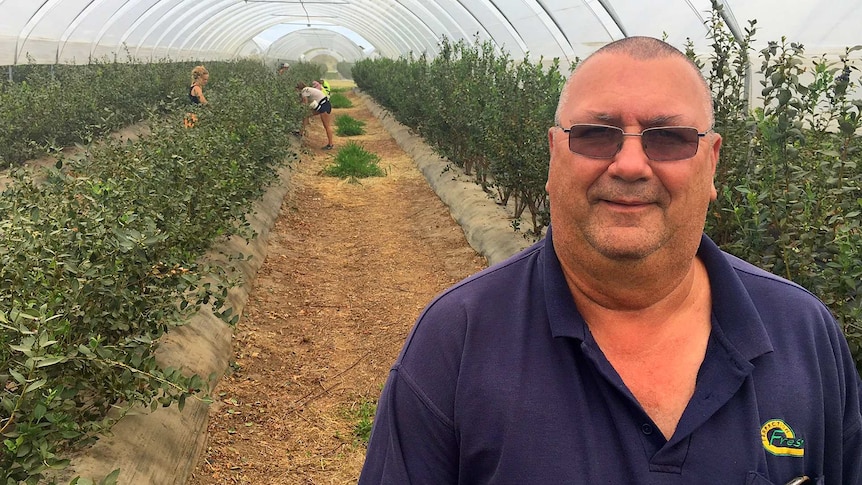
[[670, 143], [595, 141]]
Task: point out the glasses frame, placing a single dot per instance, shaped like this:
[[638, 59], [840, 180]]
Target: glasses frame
[[641, 134]]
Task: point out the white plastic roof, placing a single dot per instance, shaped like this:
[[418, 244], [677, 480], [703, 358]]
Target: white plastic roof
[[74, 31]]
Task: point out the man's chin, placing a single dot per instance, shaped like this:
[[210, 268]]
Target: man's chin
[[625, 254], [625, 245]]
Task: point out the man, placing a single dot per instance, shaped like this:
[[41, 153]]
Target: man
[[624, 348]]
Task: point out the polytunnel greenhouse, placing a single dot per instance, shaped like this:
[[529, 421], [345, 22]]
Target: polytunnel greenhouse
[[310, 241], [47, 32]]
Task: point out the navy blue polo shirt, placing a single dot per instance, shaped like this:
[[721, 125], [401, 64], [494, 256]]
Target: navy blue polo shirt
[[501, 382]]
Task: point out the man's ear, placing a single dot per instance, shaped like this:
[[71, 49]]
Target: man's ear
[[553, 132], [714, 151]]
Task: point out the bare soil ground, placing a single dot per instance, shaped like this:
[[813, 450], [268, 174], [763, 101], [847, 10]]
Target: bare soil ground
[[348, 269]]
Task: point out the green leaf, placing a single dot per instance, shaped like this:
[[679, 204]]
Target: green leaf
[[47, 362], [112, 478], [20, 379], [39, 411], [35, 385]]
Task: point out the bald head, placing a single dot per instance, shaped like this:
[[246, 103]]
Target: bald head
[[642, 49]]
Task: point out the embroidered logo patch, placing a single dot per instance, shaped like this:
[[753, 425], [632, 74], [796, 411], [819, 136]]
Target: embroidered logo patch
[[780, 440]]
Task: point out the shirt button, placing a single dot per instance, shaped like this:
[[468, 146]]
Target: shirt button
[[646, 428]]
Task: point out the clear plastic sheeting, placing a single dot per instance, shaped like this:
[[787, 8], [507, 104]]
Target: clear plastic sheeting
[[316, 43], [76, 31]]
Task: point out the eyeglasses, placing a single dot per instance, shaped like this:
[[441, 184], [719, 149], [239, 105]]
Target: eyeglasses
[[660, 144]]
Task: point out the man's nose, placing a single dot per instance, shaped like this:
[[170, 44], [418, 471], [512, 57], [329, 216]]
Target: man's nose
[[631, 162]]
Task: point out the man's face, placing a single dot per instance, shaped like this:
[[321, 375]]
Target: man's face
[[630, 207]]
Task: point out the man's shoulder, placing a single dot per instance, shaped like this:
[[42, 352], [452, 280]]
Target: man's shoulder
[[486, 294], [754, 277], [517, 267], [726, 271], [744, 294], [490, 304]]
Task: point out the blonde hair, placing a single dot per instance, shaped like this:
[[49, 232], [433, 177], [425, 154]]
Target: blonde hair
[[198, 72]]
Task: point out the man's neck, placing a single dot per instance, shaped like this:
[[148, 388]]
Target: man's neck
[[633, 287], [658, 345]]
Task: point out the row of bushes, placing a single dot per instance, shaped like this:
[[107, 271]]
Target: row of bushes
[[98, 260], [50, 107], [789, 173], [479, 108], [44, 108]]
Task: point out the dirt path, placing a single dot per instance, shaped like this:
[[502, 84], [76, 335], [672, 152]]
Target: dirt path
[[348, 269]]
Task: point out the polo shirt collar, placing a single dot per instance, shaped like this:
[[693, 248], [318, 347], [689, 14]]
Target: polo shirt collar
[[735, 317]]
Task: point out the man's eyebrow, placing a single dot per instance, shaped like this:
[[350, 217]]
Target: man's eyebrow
[[596, 117], [616, 120], [661, 121]]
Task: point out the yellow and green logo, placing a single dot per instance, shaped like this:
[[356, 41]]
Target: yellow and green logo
[[780, 440]]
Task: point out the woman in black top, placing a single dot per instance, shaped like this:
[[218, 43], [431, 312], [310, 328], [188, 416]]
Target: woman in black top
[[200, 77]]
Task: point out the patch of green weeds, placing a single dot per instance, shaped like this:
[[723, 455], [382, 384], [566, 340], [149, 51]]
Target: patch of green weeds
[[354, 161], [347, 125], [362, 413], [339, 100]]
